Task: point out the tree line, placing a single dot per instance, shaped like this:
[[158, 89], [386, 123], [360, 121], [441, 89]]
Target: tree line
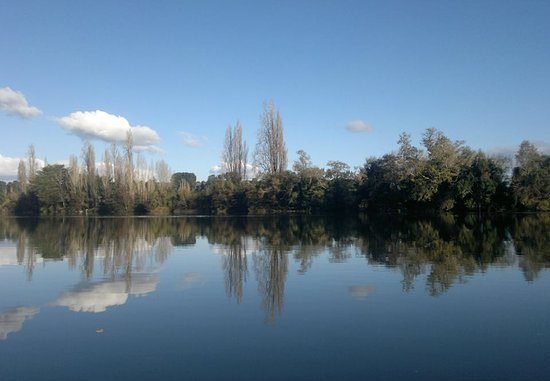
[[440, 175]]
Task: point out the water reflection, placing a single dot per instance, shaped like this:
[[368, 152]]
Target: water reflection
[[119, 258], [190, 280], [12, 320], [235, 267], [271, 267], [361, 291], [97, 297]]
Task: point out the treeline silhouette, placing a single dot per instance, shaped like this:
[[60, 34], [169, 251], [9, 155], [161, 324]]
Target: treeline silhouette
[[442, 175], [443, 250]]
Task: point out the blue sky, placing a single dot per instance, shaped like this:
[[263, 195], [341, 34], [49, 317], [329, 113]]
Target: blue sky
[[477, 70]]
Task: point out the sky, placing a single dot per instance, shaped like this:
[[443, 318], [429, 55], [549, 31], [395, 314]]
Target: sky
[[347, 76]]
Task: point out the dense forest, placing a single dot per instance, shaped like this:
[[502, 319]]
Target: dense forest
[[441, 175]]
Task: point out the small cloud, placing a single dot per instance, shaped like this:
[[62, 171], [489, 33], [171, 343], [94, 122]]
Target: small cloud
[[357, 126], [191, 140], [109, 128], [14, 103], [9, 165], [218, 169]]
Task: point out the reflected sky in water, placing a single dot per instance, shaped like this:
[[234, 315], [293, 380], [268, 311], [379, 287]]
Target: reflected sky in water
[[379, 297]]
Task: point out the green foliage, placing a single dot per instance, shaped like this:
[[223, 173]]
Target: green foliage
[[3, 191], [179, 177], [531, 178], [341, 187], [443, 175], [480, 183], [51, 187], [380, 186], [27, 204]]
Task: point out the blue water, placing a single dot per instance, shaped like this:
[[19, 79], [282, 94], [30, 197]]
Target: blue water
[[275, 298]]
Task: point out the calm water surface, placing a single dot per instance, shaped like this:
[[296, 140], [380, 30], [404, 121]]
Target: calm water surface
[[379, 298]]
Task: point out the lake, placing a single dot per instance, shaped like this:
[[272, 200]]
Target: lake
[[274, 298]]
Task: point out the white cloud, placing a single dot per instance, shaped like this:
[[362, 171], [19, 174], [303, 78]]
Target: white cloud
[[359, 126], [8, 166], [14, 103], [100, 296], [152, 149], [218, 169], [191, 140], [109, 128], [12, 320]]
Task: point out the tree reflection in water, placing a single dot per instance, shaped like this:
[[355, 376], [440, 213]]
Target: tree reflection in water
[[446, 249]]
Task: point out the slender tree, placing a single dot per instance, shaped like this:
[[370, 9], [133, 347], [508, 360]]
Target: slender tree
[[22, 176], [74, 184], [90, 185], [270, 155], [235, 151], [129, 169], [31, 163]]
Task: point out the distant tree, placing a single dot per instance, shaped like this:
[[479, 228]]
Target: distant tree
[[3, 191], [184, 197], [303, 163], [111, 179], [312, 185], [22, 176], [531, 178], [75, 189], [235, 152], [478, 183], [270, 155], [13, 187], [342, 186], [380, 184], [338, 170], [527, 156], [274, 192], [31, 163], [409, 167], [163, 172], [90, 184], [439, 170], [128, 189], [50, 186], [220, 195], [108, 173], [179, 177]]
